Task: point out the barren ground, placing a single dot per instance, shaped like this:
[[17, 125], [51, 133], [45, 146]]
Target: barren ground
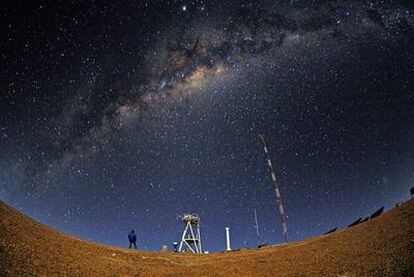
[[382, 246]]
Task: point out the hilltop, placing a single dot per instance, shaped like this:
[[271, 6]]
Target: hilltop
[[382, 246]]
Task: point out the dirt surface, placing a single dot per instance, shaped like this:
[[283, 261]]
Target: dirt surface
[[383, 246]]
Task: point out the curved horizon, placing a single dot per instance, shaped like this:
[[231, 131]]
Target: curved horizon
[[120, 117]]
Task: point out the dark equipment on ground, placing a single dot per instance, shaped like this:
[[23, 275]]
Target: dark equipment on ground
[[365, 219], [399, 204], [356, 222], [377, 213], [262, 245], [331, 231], [412, 192], [175, 247]]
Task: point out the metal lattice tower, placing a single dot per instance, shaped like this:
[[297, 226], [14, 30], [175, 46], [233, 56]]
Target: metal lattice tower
[[191, 238], [277, 191]]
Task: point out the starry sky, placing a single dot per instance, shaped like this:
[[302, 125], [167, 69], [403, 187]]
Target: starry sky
[[127, 115]]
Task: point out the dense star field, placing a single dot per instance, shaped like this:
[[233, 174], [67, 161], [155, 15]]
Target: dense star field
[[125, 115]]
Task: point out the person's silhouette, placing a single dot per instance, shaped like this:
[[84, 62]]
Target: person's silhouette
[[132, 237]]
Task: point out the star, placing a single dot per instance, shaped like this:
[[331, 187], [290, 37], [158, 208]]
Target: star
[[98, 114]]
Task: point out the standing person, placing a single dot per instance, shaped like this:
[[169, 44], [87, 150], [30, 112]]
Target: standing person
[[412, 192], [132, 237]]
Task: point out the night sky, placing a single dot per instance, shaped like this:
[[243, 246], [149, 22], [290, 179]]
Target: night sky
[[125, 115]]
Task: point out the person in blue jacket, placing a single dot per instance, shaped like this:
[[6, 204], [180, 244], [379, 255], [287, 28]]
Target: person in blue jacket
[[132, 237]]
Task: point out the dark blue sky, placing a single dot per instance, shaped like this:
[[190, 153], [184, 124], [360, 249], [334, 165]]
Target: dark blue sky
[[127, 116]]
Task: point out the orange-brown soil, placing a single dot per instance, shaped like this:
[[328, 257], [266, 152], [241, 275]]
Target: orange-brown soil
[[383, 246]]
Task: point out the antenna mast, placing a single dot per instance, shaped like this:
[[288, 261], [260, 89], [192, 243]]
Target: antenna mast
[[256, 225], [277, 191]]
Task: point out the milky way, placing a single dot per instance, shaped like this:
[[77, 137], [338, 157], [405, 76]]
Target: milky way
[[124, 116]]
